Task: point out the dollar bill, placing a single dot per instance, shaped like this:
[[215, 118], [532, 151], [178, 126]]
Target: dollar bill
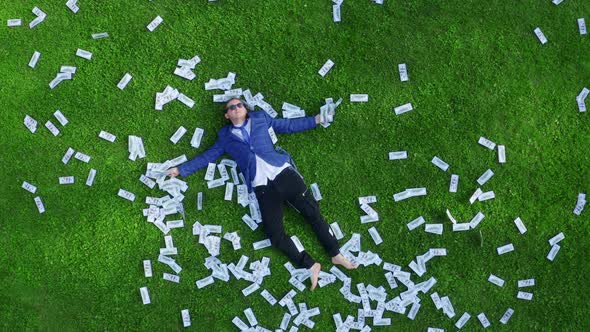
[[403, 109], [440, 163], [186, 318], [505, 249], [34, 59], [147, 268], [403, 72], [496, 280], [84, 54], [397, 155], [155, 23], [14, 22], [540, 35], [359, 98], [483, 320], [145, 295], [124, 81], [178, 135], [29, 187], [506, 316], [100, 35], [326, 68], [582, 26]]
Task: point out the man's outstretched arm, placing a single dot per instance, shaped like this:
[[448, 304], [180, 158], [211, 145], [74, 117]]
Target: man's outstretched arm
[[201, 161], [289, 126]]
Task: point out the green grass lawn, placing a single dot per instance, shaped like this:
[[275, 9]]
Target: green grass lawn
[[475, 67]]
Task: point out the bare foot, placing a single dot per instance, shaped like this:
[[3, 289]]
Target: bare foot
[[315, 274], [341, 260]]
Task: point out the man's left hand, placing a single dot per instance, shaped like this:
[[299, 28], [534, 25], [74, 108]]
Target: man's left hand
[[325, 117], [173, 172]]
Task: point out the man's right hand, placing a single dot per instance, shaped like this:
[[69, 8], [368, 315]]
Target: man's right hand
[[173, 172]]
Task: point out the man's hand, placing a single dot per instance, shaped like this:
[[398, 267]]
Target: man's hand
[[325, 117], [173, 172]]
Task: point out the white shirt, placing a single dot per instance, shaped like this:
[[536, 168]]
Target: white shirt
[[264, 170]]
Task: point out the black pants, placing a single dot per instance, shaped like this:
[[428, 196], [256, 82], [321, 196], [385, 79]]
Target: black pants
[[289, 187]]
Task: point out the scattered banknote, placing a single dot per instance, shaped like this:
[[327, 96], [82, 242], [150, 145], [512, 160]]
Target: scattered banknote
[[66, 73], [40, 17], [82, 157], [403, 109], [185, 67], [315, 189], [66, 180], [326, 68], [454, 184], [100, 35], [520, 225], [162, 98], [136, 149], [553, 252], [60, 117], [336, 13], [496, 280], [582, 26], [397, 155], [73, 5], [124, 81], [186, 318], [91, 176], [487, 143], [30, 123], [540, 35], [14, 22], [52, 128], [84, 54], [359, 98], [126, 194], [440, 164], [39, 204], [145, 295], [501, 154], [107, 136], [403, 72], [224, 83], [29, 187], [506, 316], [178, 135], [154, 23], [505, 249], [580, 204], [34, 59], [581, 99]]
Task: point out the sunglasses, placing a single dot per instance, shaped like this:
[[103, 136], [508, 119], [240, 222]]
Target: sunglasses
[[234, 107]]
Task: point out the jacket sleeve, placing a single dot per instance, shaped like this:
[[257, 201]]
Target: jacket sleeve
[[289, 126], [201, 161]]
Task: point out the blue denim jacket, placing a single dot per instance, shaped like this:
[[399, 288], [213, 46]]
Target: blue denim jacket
[[244, 154]]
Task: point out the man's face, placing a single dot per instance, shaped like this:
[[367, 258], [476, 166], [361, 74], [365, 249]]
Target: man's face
[[235, 110]]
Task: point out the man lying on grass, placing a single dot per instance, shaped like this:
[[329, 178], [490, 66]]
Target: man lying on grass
[[272, 178]]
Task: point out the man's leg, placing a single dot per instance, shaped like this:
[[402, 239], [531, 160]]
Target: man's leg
[[271, 209], [302, 200]]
